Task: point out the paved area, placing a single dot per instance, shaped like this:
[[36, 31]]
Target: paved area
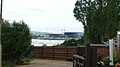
[[47, 63]]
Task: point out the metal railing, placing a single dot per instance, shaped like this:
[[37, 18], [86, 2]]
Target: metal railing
[[78, 61]]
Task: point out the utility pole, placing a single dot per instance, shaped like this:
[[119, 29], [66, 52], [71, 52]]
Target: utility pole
[[0, 32]]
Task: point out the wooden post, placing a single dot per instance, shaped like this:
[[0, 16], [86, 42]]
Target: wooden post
[[87, 55], [42, 52], [53, 52], [66, 53], [94, 57]]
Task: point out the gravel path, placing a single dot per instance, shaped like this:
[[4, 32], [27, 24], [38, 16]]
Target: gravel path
[[47, 63]]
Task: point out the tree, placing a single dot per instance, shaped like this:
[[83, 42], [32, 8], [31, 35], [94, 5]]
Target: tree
[[16, 40], [72, 42], [98, 18]]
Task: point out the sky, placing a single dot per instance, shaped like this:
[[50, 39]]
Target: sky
[[53, 16]]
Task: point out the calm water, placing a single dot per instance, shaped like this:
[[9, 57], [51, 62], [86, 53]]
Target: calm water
[[37, 42]]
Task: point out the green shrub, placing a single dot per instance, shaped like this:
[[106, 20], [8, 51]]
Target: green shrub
[[32, 55], [8, 64], [22, 61]]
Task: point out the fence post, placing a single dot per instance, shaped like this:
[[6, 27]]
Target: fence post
[[111, 51], [94, 57], [87, 55], [53, 53], [42, 52], [118, 45], [66, 53]]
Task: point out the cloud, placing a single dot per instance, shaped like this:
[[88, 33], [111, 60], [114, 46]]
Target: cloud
[[39, 14], [34, 9]]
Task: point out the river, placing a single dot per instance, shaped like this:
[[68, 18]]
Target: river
[[38, 42]]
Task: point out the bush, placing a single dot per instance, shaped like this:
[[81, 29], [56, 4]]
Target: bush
[[16, 41], [32, 55], [23, 61], [8, 64]]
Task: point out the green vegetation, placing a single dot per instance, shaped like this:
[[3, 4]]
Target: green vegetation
[[34, 37], [16, 42], [106, 60], [73, 42], [99, 18]]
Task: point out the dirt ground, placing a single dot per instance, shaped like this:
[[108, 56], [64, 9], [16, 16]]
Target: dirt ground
[[47, 63]]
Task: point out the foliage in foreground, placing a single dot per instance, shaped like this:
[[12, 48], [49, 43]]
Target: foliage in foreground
[[99, 17], [107, 61], [16, 41]]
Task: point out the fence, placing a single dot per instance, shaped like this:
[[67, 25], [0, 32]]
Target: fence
[[87, 58], [54, 52], [64, 52]]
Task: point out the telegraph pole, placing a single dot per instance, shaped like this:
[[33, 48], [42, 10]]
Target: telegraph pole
[[0, 32]]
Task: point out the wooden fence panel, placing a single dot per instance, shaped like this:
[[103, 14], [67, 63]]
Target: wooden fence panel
[[38, 51], [80, 51], [47, 52], [102, 51], [70, 51], [64, 52], [59, 52]]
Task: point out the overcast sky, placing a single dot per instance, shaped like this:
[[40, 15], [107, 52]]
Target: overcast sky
[[43, 15]]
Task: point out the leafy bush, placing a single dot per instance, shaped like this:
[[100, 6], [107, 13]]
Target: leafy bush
[[23, 61], [32, 55], [7, 64], [73, 42], [16, 41], [106, 60]]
